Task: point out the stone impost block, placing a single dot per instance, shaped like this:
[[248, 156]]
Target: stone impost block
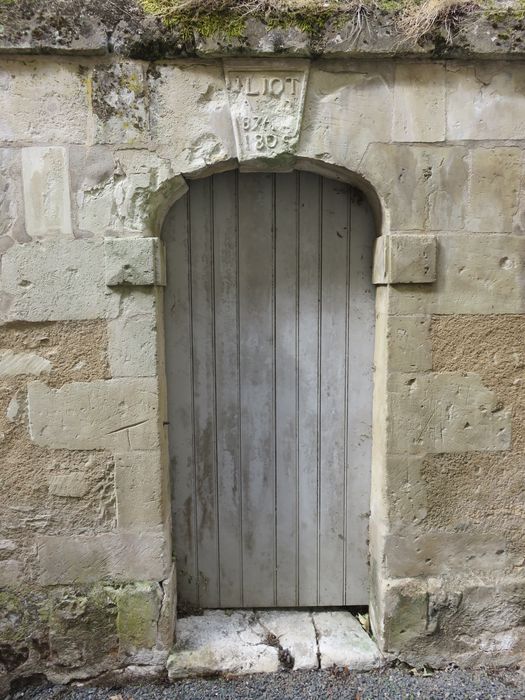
[[419, 102], [54, 281], [132, 349], [67, 559], [117, 414], [45, 173], [139, 490], [445, 412], [405, 258], [134, 261]]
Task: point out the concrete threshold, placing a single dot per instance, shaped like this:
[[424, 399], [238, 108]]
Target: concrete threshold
[[265, 641]]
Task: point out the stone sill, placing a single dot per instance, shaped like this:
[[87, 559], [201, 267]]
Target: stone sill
[[145, 38]]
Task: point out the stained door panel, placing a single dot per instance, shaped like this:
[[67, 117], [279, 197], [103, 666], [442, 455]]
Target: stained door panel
[[269, 333]]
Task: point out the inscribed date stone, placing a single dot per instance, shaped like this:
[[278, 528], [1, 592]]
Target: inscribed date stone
[[266, 102]]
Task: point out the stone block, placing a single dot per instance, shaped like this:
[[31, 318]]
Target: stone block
[[476, 274], [54, 281], [138, 610], [296, 633], [10, 573], [134, 261], [45, 172], [424, 187], [266, 103], [343, 642], [132, 349], [119, 103], [92, 186], [140, 490], [15, 363], [406, 611], [485, 101], [408, 344], [43, 101], [495, 181], [445, 412], [405, 258], [406, 490], [11, 199], [413, 553], [73, 485], [68, 559], [346, 109], [419, 102], [117, 414], [177, 91]]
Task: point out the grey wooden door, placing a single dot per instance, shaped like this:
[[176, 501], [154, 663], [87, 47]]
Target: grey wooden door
[[269, 349]]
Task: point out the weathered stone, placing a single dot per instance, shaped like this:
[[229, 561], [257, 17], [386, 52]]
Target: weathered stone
[[495, 181], [409, 346], [118, 414], [266, 103], [70, 272], [11, 199], [413, 553], [46, 192], [445, 412], [419, 102], [10, 573], [138, 610], [485, 101], [199, 90], [14, 363], [140, 489], [134, 261], [476, 274], [72, 485], [424, 187], [343, 642], [405, 258], [296, 634], [217, 642], [92, 186], [336, 104], [61, 87], [119, 102], [65, 559], [132, 347]]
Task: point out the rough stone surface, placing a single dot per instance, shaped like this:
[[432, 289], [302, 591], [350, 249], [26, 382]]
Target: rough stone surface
[[139, 488], [405, 259], [117, 414], [295, 632], [343, 642]]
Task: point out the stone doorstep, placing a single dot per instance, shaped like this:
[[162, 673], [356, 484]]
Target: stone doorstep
[[250, 641]]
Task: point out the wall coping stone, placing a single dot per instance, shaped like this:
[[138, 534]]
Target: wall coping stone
[[94, 27]]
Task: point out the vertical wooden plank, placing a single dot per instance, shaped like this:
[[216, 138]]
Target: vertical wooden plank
[[286, 447], [202, 293], [257, 386], [179, 374], [227, 373], [308, 385], [335, 248], [360, 389]]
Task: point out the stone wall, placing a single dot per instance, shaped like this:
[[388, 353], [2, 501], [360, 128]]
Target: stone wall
[[93, 152]]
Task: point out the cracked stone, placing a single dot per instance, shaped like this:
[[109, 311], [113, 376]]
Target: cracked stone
[[343, 642]]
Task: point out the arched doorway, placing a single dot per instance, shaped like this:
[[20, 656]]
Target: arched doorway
[[269, 351]]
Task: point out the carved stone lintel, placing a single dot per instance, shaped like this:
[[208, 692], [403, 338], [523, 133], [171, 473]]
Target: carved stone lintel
[[266, 103]]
